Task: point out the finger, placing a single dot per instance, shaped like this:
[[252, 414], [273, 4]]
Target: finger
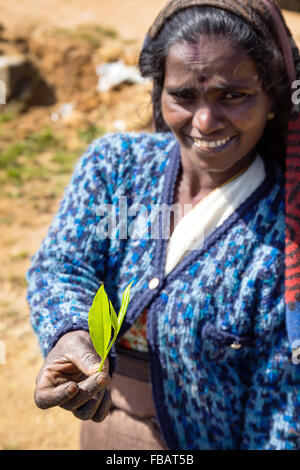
[[87, 389], [47, 397], [88, 409], [88, 362], [104, 407], [85, 357]]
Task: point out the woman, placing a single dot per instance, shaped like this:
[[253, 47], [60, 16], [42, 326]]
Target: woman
[[204, 358]]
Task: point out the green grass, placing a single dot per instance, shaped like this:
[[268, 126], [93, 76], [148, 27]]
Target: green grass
[[65, 161], [90, 38], [42, 140], [20, 256], [106, 32], [93, 34], [34, 144], [10, 446], [6, 220], [91, 133], [42, 155], [18, 280], [10, 156], [23, 161], [7, 117]]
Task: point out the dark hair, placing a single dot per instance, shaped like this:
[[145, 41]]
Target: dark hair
[[186, 26]]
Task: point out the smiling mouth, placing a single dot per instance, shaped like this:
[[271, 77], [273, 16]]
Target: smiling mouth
[[204, 144]]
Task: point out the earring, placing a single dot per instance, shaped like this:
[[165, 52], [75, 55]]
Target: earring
[[271, 116]]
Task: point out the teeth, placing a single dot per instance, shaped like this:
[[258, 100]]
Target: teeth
[[205, 144]]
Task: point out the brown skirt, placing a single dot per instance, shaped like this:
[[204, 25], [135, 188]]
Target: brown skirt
[[131, 423]]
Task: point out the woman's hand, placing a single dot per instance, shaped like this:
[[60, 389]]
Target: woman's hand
[[69, 379]]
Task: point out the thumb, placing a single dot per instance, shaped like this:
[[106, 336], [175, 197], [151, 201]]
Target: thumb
[[87, 359], [90, 363]]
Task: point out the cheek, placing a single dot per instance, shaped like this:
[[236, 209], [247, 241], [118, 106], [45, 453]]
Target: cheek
[[250, 119], [175, 116]]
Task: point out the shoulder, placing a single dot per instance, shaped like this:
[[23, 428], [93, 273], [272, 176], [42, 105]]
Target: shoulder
[[136, 144], [109, 158], [115, 154]]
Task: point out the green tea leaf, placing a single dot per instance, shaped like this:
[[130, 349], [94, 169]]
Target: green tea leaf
[[100, 322], [102, 317], [114, 318], [124, 305]]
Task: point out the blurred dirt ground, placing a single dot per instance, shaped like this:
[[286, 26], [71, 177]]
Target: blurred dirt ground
[[39, 146]]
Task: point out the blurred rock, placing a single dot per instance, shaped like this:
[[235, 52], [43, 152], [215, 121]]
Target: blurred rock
[[2, 29], [14, 41], [110, 52], [23, 81], [68, 115], [89, 101], [36, 92], [63, 113], [109, 98], [13, 69], [67, 62], [60, 70], [131, 54], [117, 50]]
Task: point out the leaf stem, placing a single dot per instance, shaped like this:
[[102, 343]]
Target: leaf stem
[[106, 352]]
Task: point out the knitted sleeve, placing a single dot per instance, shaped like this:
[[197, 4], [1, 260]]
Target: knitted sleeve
[[68, 268]]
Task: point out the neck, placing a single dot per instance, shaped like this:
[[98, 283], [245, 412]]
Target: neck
[[193, 182]]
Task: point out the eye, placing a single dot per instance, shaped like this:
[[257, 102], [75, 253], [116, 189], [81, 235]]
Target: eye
[[234, 96], [182, 95]]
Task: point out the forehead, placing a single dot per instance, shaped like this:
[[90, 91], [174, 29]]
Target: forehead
[[209, 59]]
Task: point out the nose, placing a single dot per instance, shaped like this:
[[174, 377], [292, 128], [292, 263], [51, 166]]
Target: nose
[[207, 119]]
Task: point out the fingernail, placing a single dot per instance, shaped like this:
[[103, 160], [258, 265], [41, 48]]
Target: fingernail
[[71, 389], [101, 380]]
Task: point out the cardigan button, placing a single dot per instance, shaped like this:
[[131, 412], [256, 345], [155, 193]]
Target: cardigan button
[[235, 345], [154, 283], [296, 355]]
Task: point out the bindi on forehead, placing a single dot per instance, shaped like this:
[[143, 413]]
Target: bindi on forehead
[[194, 54], [210, 65], [201, 79]]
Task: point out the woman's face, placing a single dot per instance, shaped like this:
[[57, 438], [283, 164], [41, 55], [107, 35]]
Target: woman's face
[[213, 102]]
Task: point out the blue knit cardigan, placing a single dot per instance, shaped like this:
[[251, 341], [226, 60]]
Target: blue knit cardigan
[[208, 395]]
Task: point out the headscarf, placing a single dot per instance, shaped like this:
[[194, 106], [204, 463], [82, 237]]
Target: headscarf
[[266, 17]]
